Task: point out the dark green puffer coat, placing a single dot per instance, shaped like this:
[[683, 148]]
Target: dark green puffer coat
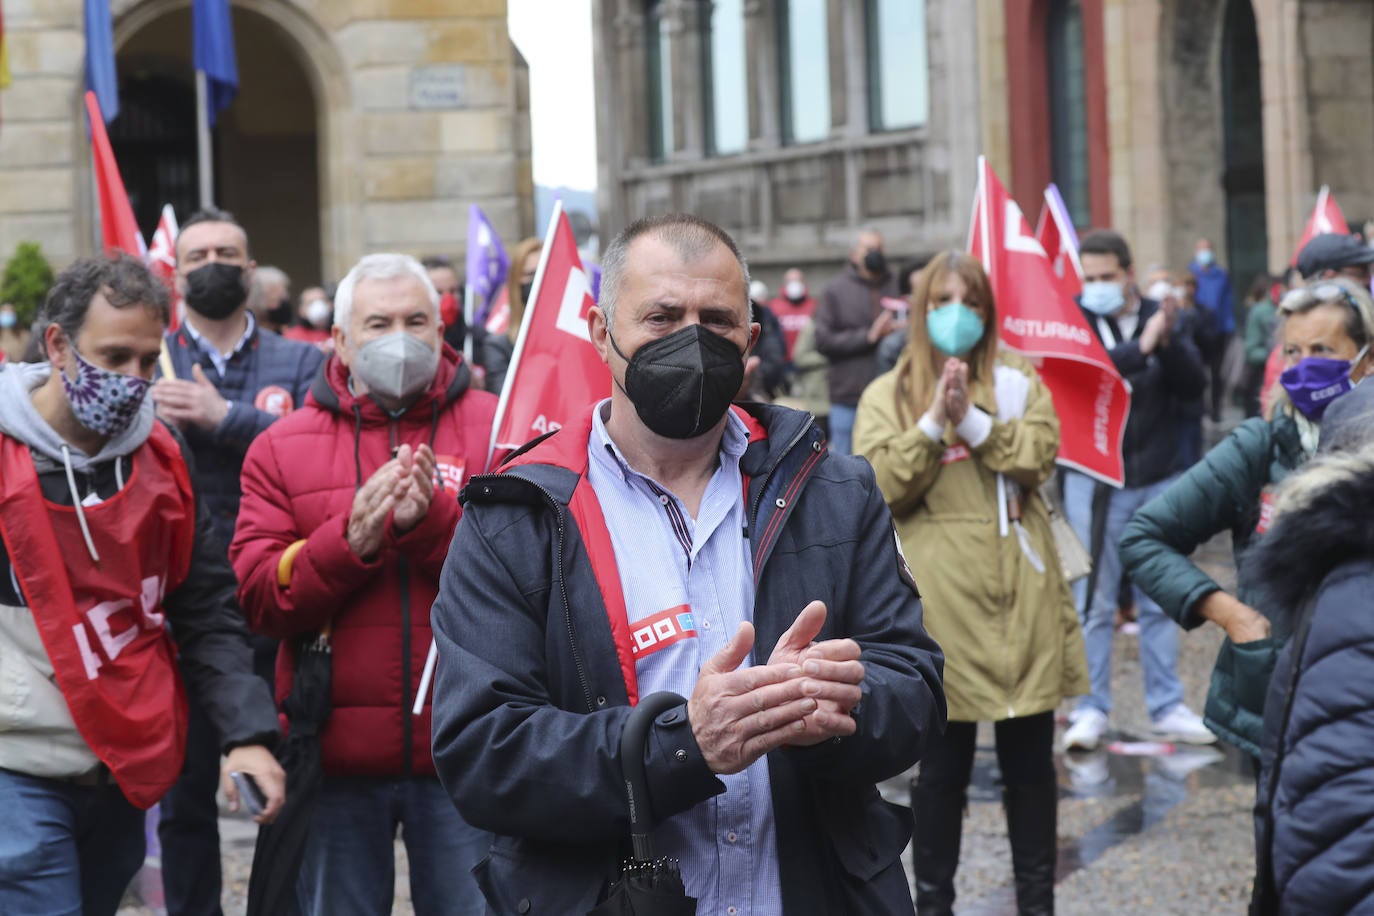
[[1223, 491]]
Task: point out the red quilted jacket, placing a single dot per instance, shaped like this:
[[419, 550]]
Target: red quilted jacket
[[299, 478]]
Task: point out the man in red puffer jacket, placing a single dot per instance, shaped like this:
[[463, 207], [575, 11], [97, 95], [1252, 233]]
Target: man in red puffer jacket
[[348, 508]]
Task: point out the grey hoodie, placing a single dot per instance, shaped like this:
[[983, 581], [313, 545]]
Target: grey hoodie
[[37, 733]]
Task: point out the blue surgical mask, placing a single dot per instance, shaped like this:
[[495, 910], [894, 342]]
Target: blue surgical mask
[[1205, 257], [1102, 297], [8, 319], [954, 328]]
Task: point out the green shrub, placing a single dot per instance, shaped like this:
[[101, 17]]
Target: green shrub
[[26, 281]]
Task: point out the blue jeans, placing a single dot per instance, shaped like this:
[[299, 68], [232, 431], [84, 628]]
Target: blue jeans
[[842, 429], [66, 849], [1158, 634], [349, 864]]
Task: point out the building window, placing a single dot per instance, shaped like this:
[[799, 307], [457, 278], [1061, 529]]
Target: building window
[[660, 82], [726, 88], [804, 41], [898, 83], [1068, 107]]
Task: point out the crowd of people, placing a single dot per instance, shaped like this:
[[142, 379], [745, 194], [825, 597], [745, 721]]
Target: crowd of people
[[193, 520]]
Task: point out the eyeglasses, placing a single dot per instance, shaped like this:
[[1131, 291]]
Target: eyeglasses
[[1320, 294]]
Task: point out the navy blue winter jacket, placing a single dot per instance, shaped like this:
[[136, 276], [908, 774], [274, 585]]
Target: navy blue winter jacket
[[1314, 814], [1159, 381], [530, 698], [266, 379]]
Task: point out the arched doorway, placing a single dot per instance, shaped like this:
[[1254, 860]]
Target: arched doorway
[[1247, 241], [266, 149]]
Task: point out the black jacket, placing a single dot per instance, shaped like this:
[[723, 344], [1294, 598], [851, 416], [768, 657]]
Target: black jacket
[[266, 365], [1159, 382], [1314, 811], [530, 701]]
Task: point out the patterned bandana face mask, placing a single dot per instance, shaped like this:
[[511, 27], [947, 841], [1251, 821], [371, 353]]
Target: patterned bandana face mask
[[104, 402]]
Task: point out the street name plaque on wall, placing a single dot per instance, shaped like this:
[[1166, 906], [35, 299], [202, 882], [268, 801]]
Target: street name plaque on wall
[[442, 86]]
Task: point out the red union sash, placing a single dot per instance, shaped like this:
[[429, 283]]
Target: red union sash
[[102, 624]]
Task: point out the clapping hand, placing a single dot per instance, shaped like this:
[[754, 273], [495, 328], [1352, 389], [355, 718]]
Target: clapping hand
[[954, 379]]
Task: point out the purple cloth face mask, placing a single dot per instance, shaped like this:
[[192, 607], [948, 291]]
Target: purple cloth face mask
[[1317, 381], [104, 402]]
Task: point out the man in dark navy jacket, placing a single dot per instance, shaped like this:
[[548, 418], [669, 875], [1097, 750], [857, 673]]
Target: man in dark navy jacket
[[1161, 363], [225, 381], [665, 541]]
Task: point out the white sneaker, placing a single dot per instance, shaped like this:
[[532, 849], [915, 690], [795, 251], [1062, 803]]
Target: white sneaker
[[1085, 734], [1181, 725]]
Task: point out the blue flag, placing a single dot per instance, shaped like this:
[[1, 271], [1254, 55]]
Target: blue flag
[[213, 45], [100, 58]]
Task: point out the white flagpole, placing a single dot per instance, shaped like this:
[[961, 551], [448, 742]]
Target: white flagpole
[[203, 140], [469, 312], [430, 661]]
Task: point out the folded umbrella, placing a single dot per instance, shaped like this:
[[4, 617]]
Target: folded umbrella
[[281, 844], [648, 885]]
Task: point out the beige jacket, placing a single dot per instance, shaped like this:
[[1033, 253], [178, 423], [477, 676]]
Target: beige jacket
[[998, 605]]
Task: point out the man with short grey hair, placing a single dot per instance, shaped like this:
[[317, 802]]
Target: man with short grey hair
[[348, 508], [667, 541]]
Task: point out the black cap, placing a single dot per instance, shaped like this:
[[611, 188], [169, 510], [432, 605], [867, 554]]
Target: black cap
[[1330, 251]]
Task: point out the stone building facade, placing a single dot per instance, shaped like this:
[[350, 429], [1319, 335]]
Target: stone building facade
[[360, 125], [793, 193], [1201, 118], [1169, 120]]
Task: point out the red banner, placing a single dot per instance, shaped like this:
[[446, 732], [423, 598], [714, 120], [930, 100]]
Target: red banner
[[1044, 324], [1326, 218], [555, 372], [162, 260], [117, 226]]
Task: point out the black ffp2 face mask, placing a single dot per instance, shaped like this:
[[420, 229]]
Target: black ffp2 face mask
[[681, 385], [215, 290]]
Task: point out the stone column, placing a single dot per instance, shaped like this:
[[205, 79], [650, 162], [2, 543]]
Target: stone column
[[1135, 125], [994, 118], [682, 20], [45, 162], [765, 97]]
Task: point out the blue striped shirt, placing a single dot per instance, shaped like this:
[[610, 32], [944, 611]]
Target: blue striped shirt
[[688, 585]]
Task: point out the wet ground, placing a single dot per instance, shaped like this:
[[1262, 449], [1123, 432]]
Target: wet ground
[[1138, 833]]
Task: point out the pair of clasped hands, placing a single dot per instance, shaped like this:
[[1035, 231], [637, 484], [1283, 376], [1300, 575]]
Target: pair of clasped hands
[[401, 489], [804, 694]]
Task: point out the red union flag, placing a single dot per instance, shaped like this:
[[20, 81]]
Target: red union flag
[[555, 372], [1326, 218], [118, 230], [1044, 324], [162, 260], [1057, 236]]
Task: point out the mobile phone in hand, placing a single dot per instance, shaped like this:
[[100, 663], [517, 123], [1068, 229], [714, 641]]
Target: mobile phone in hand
[[249, 793]]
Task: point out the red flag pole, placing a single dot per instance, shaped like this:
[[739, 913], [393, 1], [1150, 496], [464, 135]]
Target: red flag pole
[[502, 404]]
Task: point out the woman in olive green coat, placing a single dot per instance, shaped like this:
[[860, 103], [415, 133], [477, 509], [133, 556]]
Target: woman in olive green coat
[[1329, 322], [961, 437]]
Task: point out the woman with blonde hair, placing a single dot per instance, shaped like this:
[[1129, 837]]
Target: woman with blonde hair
[[961, 436], [1325, 331], [497, 348]]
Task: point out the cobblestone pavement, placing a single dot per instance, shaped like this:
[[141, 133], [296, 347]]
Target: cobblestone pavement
[[1137, 835]]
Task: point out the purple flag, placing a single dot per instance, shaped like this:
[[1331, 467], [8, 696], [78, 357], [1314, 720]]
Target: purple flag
[[487, 262]]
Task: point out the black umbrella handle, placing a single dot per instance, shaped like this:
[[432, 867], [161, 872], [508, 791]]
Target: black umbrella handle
[[632, 742]]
